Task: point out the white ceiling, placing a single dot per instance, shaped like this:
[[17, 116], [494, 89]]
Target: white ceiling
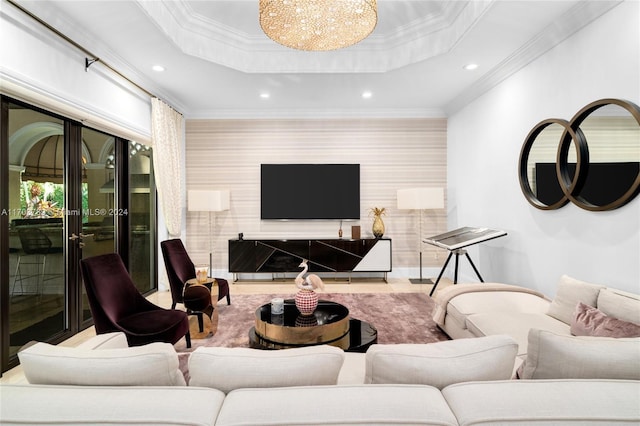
[[217, 60]]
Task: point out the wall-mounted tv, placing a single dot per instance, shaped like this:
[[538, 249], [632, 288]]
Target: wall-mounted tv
[[310, 191]]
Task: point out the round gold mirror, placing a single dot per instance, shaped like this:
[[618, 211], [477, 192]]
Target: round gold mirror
[[538, 162], [611, 177], [592, 160]]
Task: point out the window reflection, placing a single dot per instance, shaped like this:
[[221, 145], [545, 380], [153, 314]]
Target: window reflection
[[36, 247], [141, 205]]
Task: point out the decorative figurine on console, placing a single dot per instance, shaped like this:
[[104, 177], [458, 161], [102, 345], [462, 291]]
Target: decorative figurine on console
[[307, 299], [378, 224]]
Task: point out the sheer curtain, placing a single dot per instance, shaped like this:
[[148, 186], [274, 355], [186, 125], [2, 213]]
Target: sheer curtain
[[166, 135]]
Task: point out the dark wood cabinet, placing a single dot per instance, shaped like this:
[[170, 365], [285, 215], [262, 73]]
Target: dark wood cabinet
[[323, 255]]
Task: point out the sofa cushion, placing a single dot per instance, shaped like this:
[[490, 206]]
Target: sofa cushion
[[570, 292], [544, 402], [514, 324], [555, 356], [619, 304], [467, 304], [590, 321], [232, 368], [106, 405], [353, 369], [336, 405], [442, 363], [155, 364]]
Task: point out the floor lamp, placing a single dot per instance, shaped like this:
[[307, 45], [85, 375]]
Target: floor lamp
[[210, 201], [420, 199]]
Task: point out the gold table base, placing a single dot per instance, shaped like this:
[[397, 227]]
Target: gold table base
[[210, 318], [291, 328]]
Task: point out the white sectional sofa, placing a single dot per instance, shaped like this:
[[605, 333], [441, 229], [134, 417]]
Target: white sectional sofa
[[457, 382], [574, 402], [485, 309]]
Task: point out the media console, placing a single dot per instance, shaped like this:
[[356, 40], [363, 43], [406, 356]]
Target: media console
[[323, 255]]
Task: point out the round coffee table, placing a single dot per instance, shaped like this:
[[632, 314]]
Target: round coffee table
[[330, 324]]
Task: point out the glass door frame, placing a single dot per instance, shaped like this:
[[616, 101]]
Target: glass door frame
[[72, 223], [4, 235]]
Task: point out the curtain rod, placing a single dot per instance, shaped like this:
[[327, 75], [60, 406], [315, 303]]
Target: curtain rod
[[88, 61]]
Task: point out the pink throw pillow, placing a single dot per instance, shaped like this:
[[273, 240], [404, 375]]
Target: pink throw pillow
[[590, 321]]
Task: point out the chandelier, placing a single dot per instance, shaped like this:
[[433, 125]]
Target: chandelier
[[318, 24]]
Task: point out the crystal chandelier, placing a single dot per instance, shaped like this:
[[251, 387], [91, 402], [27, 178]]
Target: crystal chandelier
[[318, 24]]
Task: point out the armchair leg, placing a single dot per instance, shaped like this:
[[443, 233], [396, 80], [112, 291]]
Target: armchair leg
[[228, 298], [200, 321], [188, 339]]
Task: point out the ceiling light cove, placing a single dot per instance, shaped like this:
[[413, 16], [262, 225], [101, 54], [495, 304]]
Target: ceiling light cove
[[229, 33], [318, 24]]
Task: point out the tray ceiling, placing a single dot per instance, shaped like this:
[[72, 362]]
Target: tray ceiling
[[218, 62]]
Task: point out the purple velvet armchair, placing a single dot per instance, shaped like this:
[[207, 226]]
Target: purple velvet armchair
[[117, 305], [180, 269]]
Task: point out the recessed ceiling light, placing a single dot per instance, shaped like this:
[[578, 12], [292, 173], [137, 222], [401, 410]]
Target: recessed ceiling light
[[157, 68], [470, 67], [366, 95], [265, 95]]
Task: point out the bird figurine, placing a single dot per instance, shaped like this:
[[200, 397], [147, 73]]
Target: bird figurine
[[310, 282]]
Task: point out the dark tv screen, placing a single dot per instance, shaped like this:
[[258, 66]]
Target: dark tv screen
[[605, 182], [310, 191]]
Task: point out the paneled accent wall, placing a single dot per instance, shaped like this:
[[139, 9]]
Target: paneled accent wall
[[393, 154]]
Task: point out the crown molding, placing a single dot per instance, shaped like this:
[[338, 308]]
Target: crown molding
[[317, 113], [578, 17], [205, 38], [33, 92]]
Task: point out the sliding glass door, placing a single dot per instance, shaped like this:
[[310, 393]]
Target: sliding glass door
[[98, 206], [36, 227], [70, 192]]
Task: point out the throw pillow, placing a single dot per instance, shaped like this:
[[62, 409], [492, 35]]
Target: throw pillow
[[570, 292], [155, 364], [443, 363], [619, 304], [590, 321], [227, 369], [555, 356]]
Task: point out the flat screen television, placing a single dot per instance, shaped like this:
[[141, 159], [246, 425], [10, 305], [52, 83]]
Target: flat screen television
[[310, 191]]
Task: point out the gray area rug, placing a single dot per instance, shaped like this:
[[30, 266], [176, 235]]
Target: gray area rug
[[398, 317]]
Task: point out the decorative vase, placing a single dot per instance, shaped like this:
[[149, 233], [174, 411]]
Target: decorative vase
[[378, 227], [306, 301]]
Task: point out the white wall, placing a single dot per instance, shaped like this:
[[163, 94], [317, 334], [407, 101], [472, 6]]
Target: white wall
[[43, 69], [484, 141]]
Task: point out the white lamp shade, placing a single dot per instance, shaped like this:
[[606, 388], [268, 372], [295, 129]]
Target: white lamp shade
[[207, 200], [420, 198]]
